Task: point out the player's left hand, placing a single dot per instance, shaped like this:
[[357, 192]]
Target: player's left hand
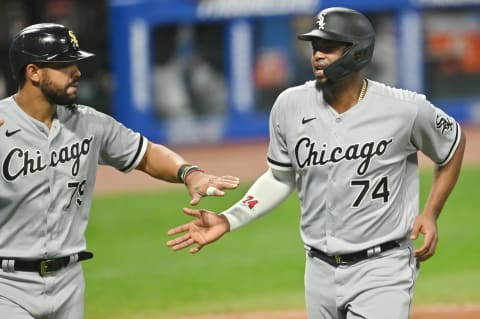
[[200, 184], [2, 121], [425, 224]]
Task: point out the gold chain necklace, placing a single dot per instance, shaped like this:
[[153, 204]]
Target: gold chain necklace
[[363, 90]]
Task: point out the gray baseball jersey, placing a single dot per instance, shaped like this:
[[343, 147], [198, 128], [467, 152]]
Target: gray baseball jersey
[[357, 172], [48, 176]]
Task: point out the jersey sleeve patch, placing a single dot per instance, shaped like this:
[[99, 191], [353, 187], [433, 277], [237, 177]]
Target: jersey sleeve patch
[[454, 145], [444, 124]]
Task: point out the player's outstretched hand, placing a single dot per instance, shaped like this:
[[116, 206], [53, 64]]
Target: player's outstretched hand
[[200, 184], [205, 229], [425, 224], [2, 121]]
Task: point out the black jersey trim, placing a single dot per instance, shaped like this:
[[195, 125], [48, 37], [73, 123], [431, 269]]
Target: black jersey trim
[[278, 163], [454, 146], [139, 149]]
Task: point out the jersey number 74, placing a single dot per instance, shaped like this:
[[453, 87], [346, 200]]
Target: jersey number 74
[[380, 190]]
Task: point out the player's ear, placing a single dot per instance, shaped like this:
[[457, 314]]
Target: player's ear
[[32, 73]]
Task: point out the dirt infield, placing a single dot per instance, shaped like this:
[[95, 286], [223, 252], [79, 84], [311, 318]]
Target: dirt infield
[[424, 312], [248, 160]]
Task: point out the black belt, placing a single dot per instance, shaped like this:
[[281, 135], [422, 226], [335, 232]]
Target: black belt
[[46, 266], [352, 258]]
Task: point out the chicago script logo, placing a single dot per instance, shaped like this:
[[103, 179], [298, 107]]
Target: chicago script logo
[[19, 162], [307, 153]]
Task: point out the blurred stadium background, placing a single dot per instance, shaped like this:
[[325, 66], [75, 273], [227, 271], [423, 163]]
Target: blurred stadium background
[[207, 71]]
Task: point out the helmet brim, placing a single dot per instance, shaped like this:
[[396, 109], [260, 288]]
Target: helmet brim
[[72, 56], [319, 34]]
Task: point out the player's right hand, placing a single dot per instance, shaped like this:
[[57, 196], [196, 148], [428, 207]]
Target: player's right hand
[[198, 184], [205, 229], [426, 225], [2, 121]]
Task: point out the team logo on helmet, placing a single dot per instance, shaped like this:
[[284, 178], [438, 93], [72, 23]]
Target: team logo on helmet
[[73, 40], [321, 21]]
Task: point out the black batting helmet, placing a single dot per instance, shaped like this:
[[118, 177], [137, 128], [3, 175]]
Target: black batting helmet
[[349, 26], [44, 42]]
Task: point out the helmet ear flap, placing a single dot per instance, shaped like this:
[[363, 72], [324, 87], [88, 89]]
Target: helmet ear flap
[[342, 67], [359, 56], [353, 60], [364, 55]]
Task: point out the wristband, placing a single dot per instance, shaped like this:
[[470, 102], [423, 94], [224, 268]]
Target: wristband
[[185, 170]]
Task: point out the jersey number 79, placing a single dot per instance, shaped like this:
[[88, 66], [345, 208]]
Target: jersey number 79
[[77, 193]]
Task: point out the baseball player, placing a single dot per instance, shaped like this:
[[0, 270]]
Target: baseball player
[[49, 154], [349, 146]]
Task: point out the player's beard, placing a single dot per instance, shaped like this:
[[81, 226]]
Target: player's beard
[[320, 85], [58, 95]]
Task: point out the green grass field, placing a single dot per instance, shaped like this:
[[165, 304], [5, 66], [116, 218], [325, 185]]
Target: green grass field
[[258, 267]]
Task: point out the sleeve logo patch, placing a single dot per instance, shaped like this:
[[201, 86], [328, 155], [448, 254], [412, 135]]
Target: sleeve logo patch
[[444, 124], [250, 201]]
